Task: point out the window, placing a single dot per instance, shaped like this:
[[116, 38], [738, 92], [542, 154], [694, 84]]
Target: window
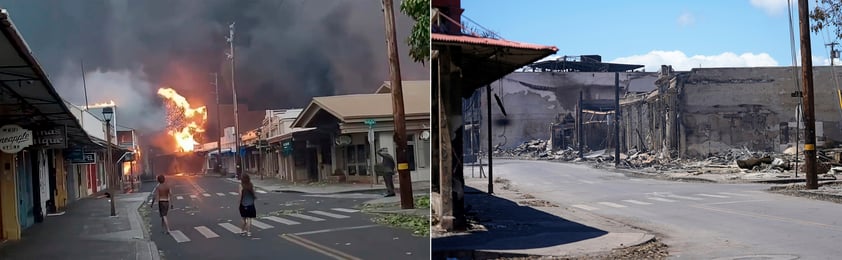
[[356, 159]]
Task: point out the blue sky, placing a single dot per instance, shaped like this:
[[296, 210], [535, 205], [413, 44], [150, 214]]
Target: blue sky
[[682, 33]]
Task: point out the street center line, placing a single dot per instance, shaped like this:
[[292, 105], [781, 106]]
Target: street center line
[[345, 210], [179, 237], [333, 230], [231, 227], [260, 225], [662, 199], [319, 212], [261, 191], [220, 194], [193, 196], [611, 204], [233, 193], [713, 196], [206, 232], [282, 220], [333, 253], [206, 195], [179, 197], [585, 207], [638, 202], [302, 216], [683, 197]]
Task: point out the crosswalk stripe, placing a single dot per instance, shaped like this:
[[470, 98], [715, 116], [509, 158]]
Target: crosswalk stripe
[[713, 196], [179, 197], [206, 232], [179, 237], [734, 194], [638, 202], [345, 210], [684, 197], [282, 220], [260, 225], [193, 196], [662, 199], [206, 195], [611, 204], [328, 214], [585, 207], [588, 182], [233, 193], [231, 227], [261, 191], [302, 216], [220, 194]]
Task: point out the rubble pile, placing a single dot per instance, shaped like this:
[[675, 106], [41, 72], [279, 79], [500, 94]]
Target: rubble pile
[[529, 149]]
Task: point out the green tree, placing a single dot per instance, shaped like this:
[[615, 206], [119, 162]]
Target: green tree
[[827, 14], [419, 40]]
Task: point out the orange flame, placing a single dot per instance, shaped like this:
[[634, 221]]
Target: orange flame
[[110, 103], [127, 168], [184, 120]]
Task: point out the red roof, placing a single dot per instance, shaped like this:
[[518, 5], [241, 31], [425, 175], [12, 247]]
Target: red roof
[[489, 41]]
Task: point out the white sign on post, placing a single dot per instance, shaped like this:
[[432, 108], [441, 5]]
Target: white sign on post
[[14, 138]]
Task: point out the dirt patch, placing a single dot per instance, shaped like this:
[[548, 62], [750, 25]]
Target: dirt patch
[[526, 197], [537, 203]]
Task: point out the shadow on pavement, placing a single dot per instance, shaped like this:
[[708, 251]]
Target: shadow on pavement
[[510, 227]]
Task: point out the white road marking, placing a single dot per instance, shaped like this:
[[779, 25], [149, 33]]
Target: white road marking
[[220, 194], [282, 220], [206, 232], [662, 199], [611, 204], [319, 212], [683, 197], [179, 237], [756, 191], [334, 229], [638, 202], [206, 195], [231, 227], [261, 191], [260, 225], [588, 182], [345, 210], [302, 216], [179, 197], [713, 196], [636, 179], [193, 196], [734, 194], [233, 193], [585, 207]]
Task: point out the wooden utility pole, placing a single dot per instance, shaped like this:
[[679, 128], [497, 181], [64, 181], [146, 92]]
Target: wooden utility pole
[[407, 200], [616, 119], [579, 139], [219, 128], [490, 147], [809, 112]]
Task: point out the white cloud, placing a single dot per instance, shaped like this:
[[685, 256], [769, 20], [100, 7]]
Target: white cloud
[[679, 61], [686, 19], [772, 7]]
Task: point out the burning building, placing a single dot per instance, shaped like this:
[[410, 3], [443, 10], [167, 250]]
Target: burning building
[[185, 124]]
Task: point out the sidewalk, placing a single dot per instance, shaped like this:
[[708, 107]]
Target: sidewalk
[[508, 225], [276, 185], [87, 231]]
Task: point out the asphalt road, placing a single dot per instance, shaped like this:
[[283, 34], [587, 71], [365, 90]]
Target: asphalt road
[[697, 220], [289, 226]]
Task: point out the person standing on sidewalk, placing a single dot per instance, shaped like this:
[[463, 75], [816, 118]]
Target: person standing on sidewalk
[[247, 198], [163, 194], [387, 169]]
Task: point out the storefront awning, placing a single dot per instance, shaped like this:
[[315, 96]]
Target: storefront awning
[[27, 92]]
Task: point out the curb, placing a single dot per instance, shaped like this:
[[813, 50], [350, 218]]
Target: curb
[[470, 253], [153, 248]]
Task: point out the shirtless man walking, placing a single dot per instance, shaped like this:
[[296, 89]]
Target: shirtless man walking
[[163, 196]]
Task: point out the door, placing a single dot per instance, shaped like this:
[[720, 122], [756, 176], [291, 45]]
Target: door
[[25, 201], [312, 165]]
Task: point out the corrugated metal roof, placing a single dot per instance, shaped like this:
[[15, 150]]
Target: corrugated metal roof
[[488, 41]]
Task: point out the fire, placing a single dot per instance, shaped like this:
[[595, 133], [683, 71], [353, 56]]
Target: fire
[[127, 168], [183, 121], [110, 103]]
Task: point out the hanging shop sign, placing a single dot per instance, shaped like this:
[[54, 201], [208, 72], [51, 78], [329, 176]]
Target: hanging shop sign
[[14, 138], [52, 138]]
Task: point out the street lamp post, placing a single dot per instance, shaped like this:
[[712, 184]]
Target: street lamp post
[[107, 114]]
